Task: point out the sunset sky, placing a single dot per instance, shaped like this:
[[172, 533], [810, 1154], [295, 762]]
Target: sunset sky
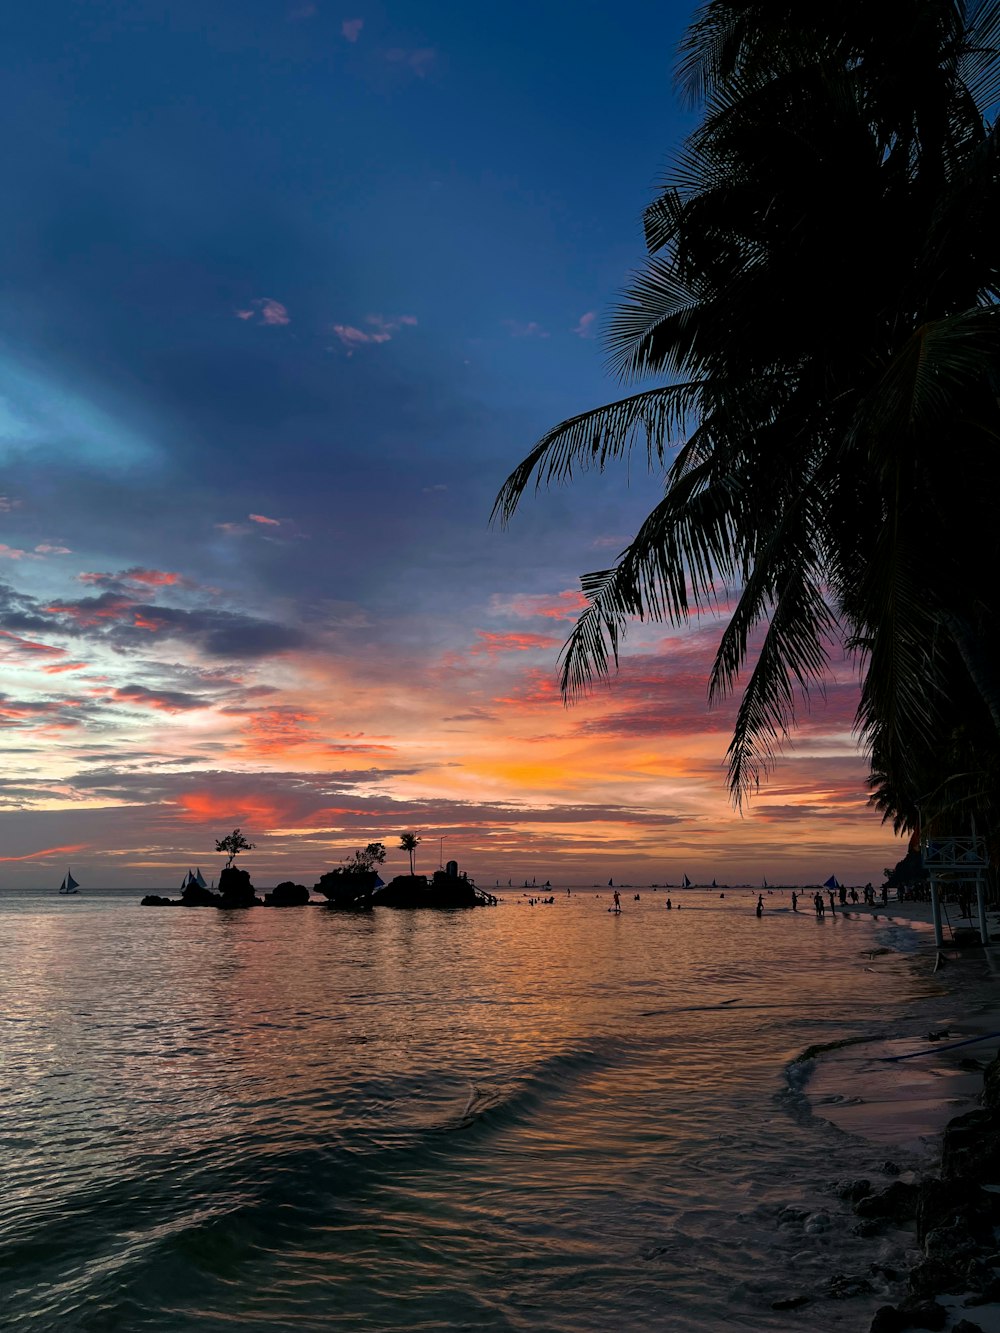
[[288, 288]]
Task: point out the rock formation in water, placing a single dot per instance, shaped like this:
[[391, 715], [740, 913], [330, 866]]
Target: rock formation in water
[[287, 894], [443, 891], [237, 891]]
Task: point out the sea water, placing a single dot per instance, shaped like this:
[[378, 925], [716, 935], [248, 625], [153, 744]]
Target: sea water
[[545, 1117]]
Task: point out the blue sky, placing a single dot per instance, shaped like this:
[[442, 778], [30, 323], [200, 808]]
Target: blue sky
[[287, 289]]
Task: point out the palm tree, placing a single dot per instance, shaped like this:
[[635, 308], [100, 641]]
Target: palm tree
[[819, 305], [409, 842]]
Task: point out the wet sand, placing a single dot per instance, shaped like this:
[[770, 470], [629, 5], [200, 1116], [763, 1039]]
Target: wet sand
[[901, 1091]]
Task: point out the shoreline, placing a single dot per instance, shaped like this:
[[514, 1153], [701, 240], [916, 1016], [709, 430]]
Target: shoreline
[[920, 1091]]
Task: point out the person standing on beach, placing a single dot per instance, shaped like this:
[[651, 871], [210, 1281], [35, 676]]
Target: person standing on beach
[[795, 901], [760, 905]]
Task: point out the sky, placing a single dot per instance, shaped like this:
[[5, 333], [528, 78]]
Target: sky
[[288, 288]]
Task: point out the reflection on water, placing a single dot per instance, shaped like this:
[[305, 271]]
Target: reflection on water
[[527, 1118]]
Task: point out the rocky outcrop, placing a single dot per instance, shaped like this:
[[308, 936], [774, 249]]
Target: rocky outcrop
[[154, 900], [237, 891], [348, 889], [195, 896], [287, 894], [443, 891]]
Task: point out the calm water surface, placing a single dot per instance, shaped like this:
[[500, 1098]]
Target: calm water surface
[[547, 1118]]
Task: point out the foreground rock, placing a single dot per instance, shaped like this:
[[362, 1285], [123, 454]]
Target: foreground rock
[[956, 1216], [349, 890], [287, 894]]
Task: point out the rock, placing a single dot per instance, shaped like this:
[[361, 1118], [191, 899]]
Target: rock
[[966, 1326], [852, 1190], [237, 891], [792, 1216], [154, 900], [897, 1203], [972, 1146], [890, 1169], [886, 1319], [287, 894], [817, 1223], [195, 896], [922, 1314], [991, 1085], [950, 1204], [346, 888], [842, 1287], [868, 1226], [989, 1295], [444, 891], [933, 1276]]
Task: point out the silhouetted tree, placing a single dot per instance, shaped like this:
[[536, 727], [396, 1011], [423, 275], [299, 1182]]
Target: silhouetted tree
[[409, 842], [821, 303], [232, 844], [363, 862]]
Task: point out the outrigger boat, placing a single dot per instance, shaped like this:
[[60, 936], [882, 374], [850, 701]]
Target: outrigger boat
[[69, 884]]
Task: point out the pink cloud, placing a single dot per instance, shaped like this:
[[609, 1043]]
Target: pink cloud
[[261, 518], [379, 330], [46, 549], [29, 645], [418, 59], [529, 330], [267, 310], [351, 28], [562, 606], [585, 324], [493, 644], [11, 552]]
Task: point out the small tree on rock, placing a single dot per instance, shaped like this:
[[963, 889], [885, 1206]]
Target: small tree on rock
[[408, 842], [364, 862], [232, 844]]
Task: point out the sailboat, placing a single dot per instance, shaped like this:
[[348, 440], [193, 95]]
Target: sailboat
[[686, 882], [714, 885], [831, 883], [193, 879], [69, 884]]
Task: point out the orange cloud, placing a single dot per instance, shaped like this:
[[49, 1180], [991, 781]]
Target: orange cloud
[[563, 606], [56, 667], [261, 518]]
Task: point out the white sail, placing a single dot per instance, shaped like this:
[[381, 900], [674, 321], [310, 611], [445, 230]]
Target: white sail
[[199, 879]]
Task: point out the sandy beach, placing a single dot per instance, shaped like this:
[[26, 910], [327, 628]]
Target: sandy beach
[[901, 1091]]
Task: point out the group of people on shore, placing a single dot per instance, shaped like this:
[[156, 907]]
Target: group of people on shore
[[843, 894]]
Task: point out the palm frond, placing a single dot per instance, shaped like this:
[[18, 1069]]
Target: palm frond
[[594, 438]]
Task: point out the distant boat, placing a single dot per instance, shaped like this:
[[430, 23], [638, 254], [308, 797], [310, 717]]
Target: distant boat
[[193, 879], [69, 884], [831, 883], [611, 884], [763, 883], [714, 885], [686, 883]]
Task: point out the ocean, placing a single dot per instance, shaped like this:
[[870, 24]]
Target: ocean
[[519, 1118]]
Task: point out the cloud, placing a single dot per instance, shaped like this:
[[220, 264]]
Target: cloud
[[267, 310], [46, 549], [417, 59], [494, 644], [562, 606], [167, 701], [11, 552], [585, 324], [7, 504], [351, 29], [529, 330], [261, 518], [137, 577], [16, 643], [380, 330], [68, 849]]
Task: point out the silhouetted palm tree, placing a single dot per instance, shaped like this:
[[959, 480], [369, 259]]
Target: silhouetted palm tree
[[821, 298], [409, 842]]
